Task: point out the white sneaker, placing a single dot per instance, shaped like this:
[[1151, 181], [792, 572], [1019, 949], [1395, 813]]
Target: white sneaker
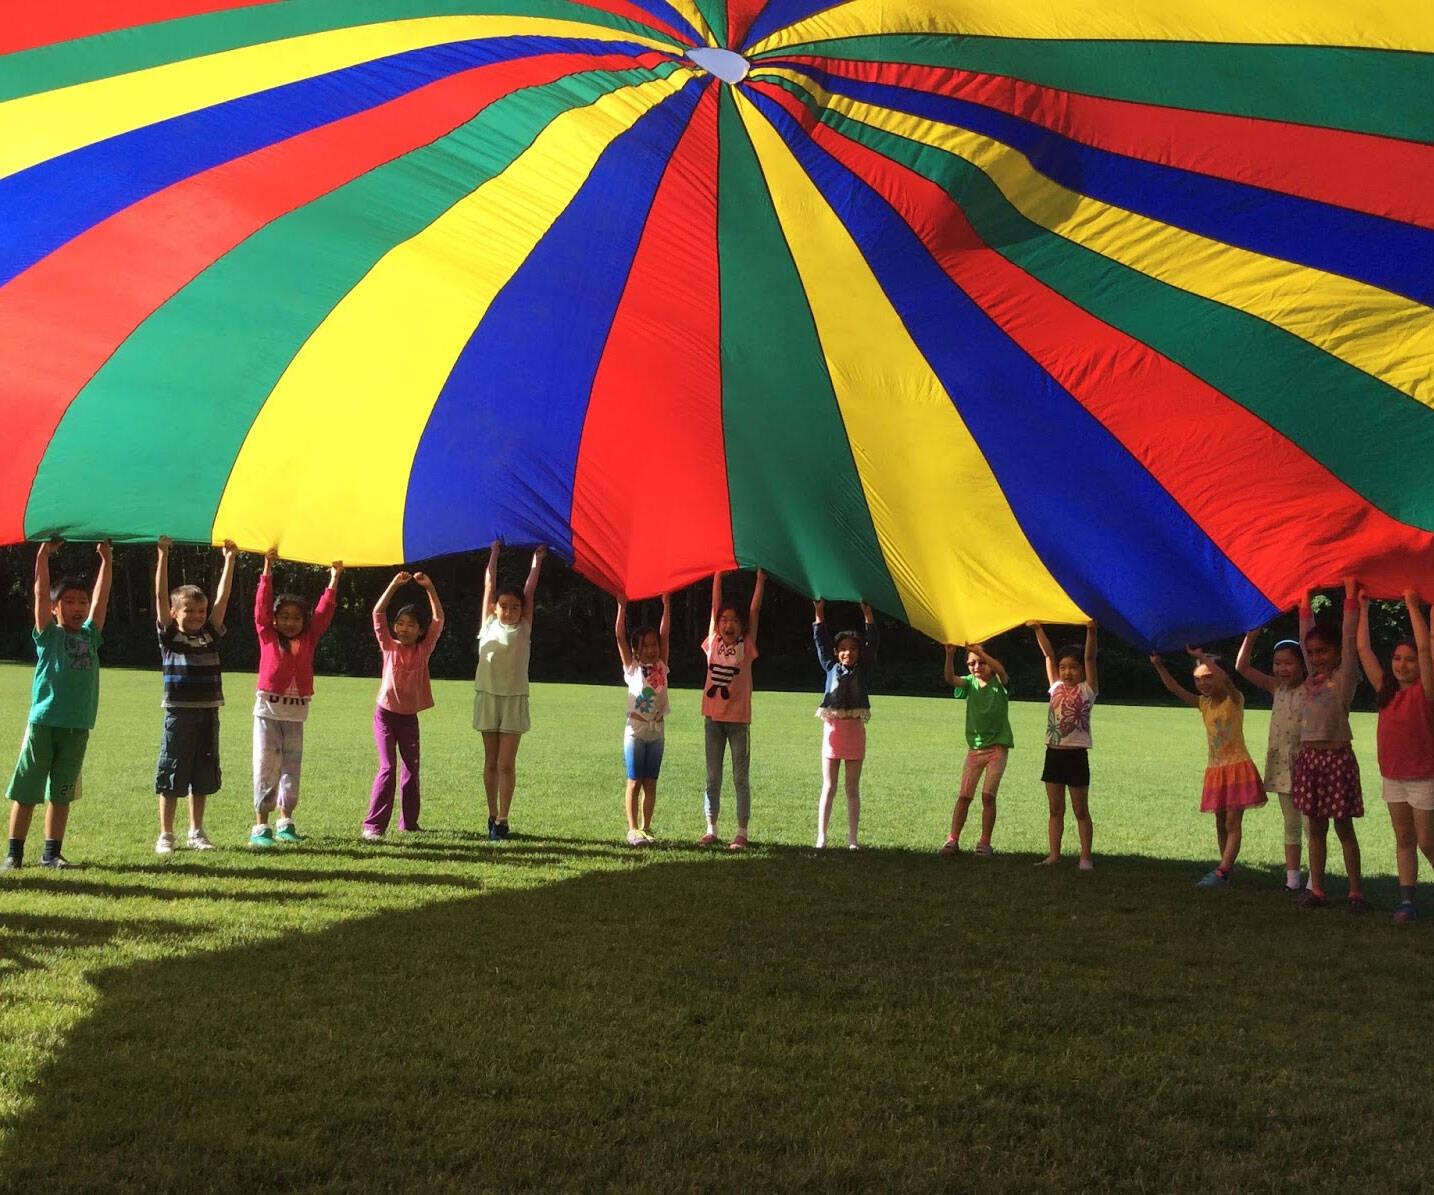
[[372, 836], [198, 840], [164, 844]]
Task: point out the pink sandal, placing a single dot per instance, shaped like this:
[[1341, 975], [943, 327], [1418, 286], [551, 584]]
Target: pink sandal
[[708, 839], [738, 844]]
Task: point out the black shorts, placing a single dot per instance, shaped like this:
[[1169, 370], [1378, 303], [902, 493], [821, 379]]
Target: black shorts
[[1067, 765], [188, 754]]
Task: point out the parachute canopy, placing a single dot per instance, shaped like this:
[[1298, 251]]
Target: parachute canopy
[[980, 311]]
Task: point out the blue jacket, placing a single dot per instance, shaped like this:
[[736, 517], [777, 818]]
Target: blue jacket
[[846, 687]]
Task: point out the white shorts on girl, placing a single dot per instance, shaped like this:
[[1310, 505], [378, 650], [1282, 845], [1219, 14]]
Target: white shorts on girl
[[1417, 794]]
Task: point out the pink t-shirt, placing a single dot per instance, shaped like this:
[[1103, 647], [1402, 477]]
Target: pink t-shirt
[[727, 689], [1406, 736], [405, 688]]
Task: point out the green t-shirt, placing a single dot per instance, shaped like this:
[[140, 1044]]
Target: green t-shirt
[[988, 722], [66, 691]]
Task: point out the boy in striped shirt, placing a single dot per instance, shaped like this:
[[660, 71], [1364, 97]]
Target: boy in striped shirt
[[193, 692]]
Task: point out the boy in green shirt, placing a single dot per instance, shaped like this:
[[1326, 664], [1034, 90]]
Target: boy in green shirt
[[64, 699], [988, 739]]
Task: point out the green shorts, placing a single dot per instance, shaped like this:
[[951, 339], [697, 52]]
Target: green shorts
[[506, 715], [49, 764]]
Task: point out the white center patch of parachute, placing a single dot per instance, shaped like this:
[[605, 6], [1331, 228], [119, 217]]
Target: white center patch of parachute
[[727, 65]]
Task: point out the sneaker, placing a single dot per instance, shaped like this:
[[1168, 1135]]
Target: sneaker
[[373, 835], [851, 846], [950, 847], [635, 838], [984, 851], [261, 836], [1087, 865], [1213, 879], [1358, 905], [198, 840], [10, 863], [288, 832], [708, 839], [1405, 912], [501, 829], [738, 844], [55, 861], [1310, 899], [164, 844], [649, 835], [493, 835]]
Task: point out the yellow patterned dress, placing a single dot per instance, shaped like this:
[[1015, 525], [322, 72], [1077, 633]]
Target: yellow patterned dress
[[1231, 779]]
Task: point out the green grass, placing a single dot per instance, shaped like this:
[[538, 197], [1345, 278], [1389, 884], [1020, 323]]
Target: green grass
[[559, 1011]]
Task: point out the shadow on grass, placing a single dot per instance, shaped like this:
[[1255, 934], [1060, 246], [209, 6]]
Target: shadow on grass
[[23, 934], [810, 1020]]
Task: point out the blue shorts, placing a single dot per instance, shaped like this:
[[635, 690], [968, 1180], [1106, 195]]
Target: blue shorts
[[644, 756]]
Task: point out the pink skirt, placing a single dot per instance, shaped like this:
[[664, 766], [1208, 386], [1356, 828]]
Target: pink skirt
[[843, 738], [1231, 786], [1325, 783]]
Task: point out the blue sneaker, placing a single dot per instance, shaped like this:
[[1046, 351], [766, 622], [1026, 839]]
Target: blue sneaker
[[1213, 879], [288, 832], [1405, 912]]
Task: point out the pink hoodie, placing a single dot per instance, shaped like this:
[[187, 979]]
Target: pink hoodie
[[287, 669]]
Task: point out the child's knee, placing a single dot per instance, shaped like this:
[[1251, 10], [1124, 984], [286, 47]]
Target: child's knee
[[1344, 829], [988, 800]]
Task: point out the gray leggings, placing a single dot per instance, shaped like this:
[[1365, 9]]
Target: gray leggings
[[717, 736]]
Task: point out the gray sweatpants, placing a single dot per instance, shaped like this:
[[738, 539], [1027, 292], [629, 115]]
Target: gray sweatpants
[[278, 758], [716, 738]]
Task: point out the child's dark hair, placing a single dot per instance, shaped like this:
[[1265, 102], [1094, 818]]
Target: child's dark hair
[[636, 637], [515, 591], [1071, 651], [843, 636], [292, 599], [186, 593], [64, 585], [1328, 633], [414, 612], [1389, 687], [736, 612]]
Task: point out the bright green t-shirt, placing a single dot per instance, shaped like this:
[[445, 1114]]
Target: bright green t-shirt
[[66, 690], [988, 722]]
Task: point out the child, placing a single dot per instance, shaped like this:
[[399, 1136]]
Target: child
[[193, 692], [64, 700], [644, 668], [1286, 686], [1072, 676], [1325, 780], [288, 635], [500, 705], [727, 706], [988, 740], [844, 710], [403, 694], [1232, 784], [1405, 697]]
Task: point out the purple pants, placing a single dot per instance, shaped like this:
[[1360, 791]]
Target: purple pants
[[396, 735]]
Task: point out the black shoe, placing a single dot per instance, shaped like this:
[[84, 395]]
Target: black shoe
[[55, 861], [501, 829]]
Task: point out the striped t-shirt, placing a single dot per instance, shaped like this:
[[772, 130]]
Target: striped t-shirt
[[192, 679]]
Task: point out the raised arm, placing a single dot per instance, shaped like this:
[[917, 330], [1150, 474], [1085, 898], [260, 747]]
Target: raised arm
[[264, 593], [1252, 674], [1171, 683], [100, 599], [754, 611], [820, 638], [949, 669], [1421, 641], [1351, 609], [225, 589], [327, 605], [1091, 677], [992, 663], [624, 649], [161, 580], [1222, 678], [1368, 660], [1046, 650], [44, 608], [664, 628], [490, 584], [1307, 623], [716, 604], [869, 641], [386, 596], [435, 607], [530, 587]]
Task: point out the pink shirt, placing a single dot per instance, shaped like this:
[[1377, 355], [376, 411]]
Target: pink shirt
[[405, 688], [287, 669], [727, 688], [1406, 736]]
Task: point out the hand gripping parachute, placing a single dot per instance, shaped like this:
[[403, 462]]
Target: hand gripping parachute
[[980, 311]]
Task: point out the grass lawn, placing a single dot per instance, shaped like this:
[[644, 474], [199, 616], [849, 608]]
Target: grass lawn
[[560, 1011]]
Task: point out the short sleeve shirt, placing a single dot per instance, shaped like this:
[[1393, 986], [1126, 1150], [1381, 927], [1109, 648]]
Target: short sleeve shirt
[[988, 721], [1068, 720], [503, 657], [66, 689], [192, 679], [727, 688], [646, 699]]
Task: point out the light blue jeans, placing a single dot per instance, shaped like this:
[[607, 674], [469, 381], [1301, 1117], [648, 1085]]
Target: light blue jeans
[[717, 737]]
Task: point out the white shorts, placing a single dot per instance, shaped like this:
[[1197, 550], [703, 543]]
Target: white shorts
[[1417, 794]]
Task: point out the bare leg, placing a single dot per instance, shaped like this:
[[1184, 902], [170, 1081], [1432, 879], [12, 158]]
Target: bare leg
[[1319, 851], [824, 805], [649, 802], [1233, 821], [1221, 833], [166, 814], [958, 816], [490, 771], [1080, 806], [507, 771], [1424, 833], [1406, 839], [1056, 821], [853, 799], [20, 816], [196, 811], [633, 788], [1349, 844], [57, 817], [988, 815]]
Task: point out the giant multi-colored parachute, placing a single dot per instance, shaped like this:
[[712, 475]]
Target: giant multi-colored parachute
[[982, 311]]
